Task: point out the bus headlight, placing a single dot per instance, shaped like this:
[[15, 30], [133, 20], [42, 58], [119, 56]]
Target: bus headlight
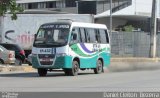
[[61, 54]]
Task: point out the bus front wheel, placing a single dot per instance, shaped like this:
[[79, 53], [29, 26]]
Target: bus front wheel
[[99, 67], [42, 72], [75, 68]]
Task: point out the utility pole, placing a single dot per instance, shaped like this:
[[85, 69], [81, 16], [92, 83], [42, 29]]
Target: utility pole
[[77, 5], [153, 44], [110, 20]]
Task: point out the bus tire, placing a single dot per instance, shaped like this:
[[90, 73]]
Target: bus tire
[[75, 68], [99, 67], [42, 72]]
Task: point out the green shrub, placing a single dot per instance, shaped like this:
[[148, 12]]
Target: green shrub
[[128, 28]]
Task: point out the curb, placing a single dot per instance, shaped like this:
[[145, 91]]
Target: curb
[[28, 69], [133, 64], [131, 59], [8, 68], [124, 66]]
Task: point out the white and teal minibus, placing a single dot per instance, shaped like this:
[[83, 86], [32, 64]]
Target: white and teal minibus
[[71, 46]]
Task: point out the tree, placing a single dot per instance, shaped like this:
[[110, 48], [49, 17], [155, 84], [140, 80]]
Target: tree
[[11, 7], [128, 28]]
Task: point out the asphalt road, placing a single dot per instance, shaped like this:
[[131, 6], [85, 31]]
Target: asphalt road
[[85, 82]]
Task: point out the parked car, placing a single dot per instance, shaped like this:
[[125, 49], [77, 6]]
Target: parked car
[[6, 56], [19, 52]]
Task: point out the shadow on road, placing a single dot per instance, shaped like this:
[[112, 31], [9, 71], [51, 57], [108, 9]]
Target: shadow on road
[[35, 74]]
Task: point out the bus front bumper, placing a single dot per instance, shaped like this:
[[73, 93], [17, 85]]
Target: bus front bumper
[[58, 62]]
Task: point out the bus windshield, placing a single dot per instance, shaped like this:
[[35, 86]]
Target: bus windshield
[[52, 35]]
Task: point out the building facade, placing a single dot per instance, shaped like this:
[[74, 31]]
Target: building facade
[[68, 6], [74, 6], [137, 13], [125, 12]]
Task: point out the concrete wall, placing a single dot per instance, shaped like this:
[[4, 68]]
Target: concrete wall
[[70, 10]]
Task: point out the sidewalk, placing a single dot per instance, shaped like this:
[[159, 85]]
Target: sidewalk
[[9, 68], [134, 64], [117, 65]]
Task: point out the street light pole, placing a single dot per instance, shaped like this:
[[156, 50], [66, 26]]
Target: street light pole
[[77, 5], [110, 19], [153, 46]]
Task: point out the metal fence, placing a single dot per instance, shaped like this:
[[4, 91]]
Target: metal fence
[[132, 44]]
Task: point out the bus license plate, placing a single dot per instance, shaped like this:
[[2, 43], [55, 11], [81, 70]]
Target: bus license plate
[[45, 60]]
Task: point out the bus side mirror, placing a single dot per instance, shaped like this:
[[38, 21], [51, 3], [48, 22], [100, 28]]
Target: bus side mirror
[[35, 36]]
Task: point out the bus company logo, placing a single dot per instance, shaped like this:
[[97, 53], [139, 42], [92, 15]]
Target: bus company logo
[[96, 47]]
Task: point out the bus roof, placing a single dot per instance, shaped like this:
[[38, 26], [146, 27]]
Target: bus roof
[[88, 25], [79, 24]]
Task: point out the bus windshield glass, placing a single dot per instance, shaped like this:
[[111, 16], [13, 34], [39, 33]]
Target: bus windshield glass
[[52, 35]]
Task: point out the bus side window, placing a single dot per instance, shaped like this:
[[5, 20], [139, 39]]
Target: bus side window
[[103, 36], [92, 35], [87, 35], [82, 35], [75, 35], [97, 36], [107, 36]]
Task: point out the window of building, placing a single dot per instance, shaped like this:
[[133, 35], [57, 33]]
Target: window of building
[[59, 4], [32, 5], [26, 6], [70, 3], [51, 4], [87, 7], [22, 5], [42, 5]]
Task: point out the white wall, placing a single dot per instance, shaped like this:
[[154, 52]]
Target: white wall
[[158, 7], [144, 7]]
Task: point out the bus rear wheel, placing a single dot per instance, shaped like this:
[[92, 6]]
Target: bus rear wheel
[[75, 69], [99, 67], [42, 72]]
